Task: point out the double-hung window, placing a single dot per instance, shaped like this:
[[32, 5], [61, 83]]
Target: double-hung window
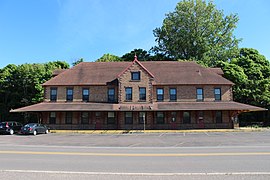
[[111, 95], [128, 93], [160, 118], [128, 118], [173, 95], [186, 117], [217, 92], [53, 94], [111, 118], [69, 94], [68, 117], [218, 116], [142, 117], [199, 94], [142, 93], [135, 76], [85, 118], [85, 94], [160, 94], [52, 118]]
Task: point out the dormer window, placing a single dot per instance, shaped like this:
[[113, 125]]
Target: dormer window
[[135, 76]]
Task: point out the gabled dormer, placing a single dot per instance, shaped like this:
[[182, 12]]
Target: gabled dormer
[[135, 84]]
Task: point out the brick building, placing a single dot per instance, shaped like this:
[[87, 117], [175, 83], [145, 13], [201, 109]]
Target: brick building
[[138, 95]]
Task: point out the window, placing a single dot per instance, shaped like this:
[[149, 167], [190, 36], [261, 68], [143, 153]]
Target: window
[[199, 94], [173, 96], [128, 118], [98, 114], [160, 118], [142, 117], [160, 94], [111, 95], [69, 94], [135, 76], [111, 118], [68, 117], [217, 92], [53, 94], [173, 116], [128, 94], [85, 118], [186, 118], [142, 93], [52, 118], [218, 116], [85, 94]]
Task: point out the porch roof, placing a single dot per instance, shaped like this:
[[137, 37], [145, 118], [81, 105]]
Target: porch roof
[[157, 106]]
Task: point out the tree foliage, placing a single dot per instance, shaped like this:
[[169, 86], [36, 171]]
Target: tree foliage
[[109, 58], [198, 31], [78, 61], [22, 85], [250, 71]]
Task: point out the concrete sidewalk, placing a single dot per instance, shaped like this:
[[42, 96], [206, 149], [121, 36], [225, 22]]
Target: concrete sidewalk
[[158, 131]]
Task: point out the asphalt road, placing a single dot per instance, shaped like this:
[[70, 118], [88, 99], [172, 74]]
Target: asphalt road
[[136, 156]]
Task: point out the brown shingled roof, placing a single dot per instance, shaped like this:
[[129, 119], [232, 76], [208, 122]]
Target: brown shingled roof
[[159, 106], [164, 72]]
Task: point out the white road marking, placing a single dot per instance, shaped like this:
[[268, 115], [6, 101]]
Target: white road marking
[[138, 174]]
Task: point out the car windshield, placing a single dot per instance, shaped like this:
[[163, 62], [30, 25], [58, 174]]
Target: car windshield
[[30, 125]]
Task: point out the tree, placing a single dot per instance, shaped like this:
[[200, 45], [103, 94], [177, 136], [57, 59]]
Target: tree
[[77, 62], [250, 71], [141, 54], [22, 85], [108, 58], [196, 30]]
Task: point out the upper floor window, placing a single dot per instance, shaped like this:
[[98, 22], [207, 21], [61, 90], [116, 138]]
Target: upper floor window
[[53, 94], [173, 95], [199, 94], [111, 95], [142, 93], [128, 118], [217, 92], [136, 76], [85, 94], [69, 96], [128, 93], [160, 94]]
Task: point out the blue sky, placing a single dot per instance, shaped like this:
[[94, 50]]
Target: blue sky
[[39, 31]]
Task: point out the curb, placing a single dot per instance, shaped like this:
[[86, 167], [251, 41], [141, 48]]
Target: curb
[[156, 131]]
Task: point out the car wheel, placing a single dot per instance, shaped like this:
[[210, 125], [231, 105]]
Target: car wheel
[[47, 131], [35, 133], [11, 131]]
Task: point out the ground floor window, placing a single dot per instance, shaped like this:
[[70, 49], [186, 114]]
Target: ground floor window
[[52, 118], [85, 118], [142, 117], [68, 117], [111, 118], [128, 118], [173, 116], [218, 116], [186, 117], [160, 118]]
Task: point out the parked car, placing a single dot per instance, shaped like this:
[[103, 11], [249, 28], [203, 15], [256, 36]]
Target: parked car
[[34, 128], [10, 127]]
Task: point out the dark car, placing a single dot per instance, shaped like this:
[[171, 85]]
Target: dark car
[[34, 128], [10, 127]]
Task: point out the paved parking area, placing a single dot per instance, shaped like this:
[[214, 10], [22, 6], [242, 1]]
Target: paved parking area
[[142, 140]]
